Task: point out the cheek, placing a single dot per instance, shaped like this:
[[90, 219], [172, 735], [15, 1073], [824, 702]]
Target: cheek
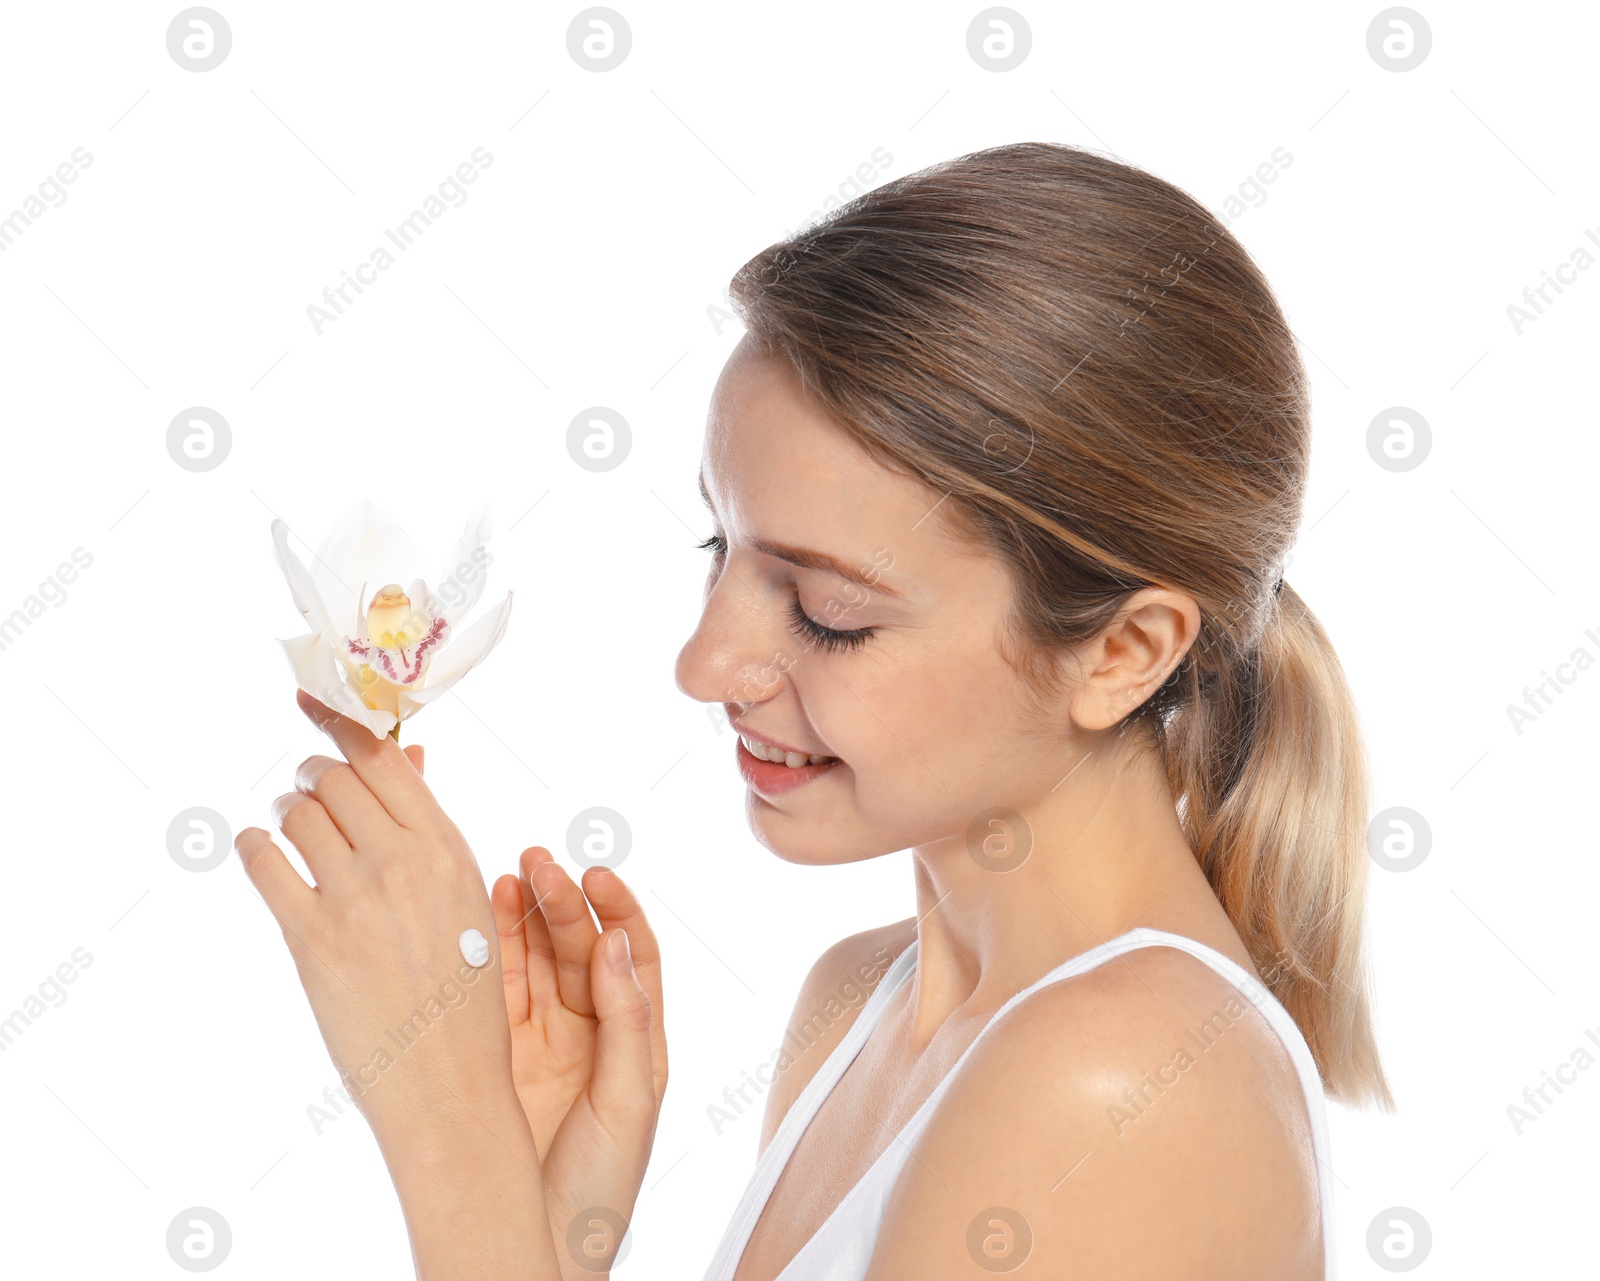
[[919, 725]]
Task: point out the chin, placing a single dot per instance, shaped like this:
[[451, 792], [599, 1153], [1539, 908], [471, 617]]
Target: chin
[[805, 843]]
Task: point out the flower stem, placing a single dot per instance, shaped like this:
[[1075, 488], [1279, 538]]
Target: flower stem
[[395, 732]]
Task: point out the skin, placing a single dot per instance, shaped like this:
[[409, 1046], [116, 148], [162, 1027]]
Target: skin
[[593, 1123], [932, 728], [497, 1131], [511, 1111]]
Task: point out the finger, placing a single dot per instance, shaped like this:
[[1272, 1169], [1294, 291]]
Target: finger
[[310, 830], [286, 895], [617, 908], [505, 897], [413, 752], [378, 760], [572, 933], [623, 1086], [544, 988], [352, 807]]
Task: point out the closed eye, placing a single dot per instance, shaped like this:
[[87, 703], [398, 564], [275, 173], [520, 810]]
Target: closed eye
[[801, 624]]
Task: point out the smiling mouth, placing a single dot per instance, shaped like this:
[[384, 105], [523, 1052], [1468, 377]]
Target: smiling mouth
[[794, 760]]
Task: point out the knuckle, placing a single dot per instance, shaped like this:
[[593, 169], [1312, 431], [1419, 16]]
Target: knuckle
[[300, 816], [403, 878], [451, 863], [340, 781], [638, 1110], [571, 965], [324, 775], [382, 762], [637, 1014]]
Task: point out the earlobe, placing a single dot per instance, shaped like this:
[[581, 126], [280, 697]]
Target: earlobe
[[1126, 700]]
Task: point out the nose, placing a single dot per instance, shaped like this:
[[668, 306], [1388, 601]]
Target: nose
[[732, 657]]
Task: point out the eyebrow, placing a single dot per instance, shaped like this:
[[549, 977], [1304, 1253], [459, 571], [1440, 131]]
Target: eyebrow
[[806, 558]]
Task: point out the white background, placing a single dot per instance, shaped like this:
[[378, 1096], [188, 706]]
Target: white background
[[581, 271]]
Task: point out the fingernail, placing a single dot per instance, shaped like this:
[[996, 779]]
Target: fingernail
[[621, 956]]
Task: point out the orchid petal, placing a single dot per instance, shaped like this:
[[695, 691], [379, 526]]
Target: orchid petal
[[366, 546], [461, 582], [465, 650], [318, 673], [423, 599], [307, 599]]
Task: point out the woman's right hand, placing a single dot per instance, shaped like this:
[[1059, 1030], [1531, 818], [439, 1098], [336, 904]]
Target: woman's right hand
[[588, 1049]]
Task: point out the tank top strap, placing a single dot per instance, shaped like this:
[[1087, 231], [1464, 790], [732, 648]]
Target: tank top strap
[[776, 1154], [853, 1223], [1253, 991], [827, 1076], [1084, 961], [1136, 937]]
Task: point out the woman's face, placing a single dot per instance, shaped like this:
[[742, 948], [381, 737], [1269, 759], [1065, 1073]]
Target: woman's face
[[928, 722]]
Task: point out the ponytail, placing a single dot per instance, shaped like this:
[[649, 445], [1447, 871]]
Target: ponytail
[[1270, 774]]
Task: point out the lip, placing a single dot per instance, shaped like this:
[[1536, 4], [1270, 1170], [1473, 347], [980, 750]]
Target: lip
[[772, 742], [768, 778]]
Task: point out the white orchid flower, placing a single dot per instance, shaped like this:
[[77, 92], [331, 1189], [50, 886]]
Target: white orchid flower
[[382, 658]]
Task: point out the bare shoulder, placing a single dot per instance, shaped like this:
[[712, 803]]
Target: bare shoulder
[[1140, 1120], [830, 998]]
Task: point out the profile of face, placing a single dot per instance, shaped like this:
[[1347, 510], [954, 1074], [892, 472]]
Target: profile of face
[[931, 726]]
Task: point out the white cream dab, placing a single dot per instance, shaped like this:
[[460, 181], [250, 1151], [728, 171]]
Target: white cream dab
[[475, 948]]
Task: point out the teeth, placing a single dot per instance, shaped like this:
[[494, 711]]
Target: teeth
[[794, 760]]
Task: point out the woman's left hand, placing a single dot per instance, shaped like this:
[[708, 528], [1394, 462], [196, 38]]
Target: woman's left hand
[[418, 1035]]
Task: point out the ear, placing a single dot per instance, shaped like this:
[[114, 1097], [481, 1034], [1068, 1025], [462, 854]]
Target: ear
[[1133, 656]]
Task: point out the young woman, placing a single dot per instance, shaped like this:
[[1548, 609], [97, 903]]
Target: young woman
[[1003, 477]]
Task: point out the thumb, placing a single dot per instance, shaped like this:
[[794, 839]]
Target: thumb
[[413, 753], [623, 1086]]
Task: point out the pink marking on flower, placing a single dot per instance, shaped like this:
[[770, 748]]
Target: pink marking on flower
[[434, 638], [411, 668]]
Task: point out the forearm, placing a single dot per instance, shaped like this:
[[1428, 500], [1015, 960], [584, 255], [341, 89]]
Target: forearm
[[474, 1202]]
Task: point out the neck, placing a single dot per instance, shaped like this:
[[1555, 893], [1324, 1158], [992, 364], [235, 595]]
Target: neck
[[1107, 854]]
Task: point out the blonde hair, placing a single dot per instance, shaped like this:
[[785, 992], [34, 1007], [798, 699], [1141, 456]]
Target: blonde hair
[[1098, 376]]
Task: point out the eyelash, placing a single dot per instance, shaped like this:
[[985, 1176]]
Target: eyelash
[[829, 638]]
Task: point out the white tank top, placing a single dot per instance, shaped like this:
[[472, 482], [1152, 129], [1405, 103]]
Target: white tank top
[[842, 1247]]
